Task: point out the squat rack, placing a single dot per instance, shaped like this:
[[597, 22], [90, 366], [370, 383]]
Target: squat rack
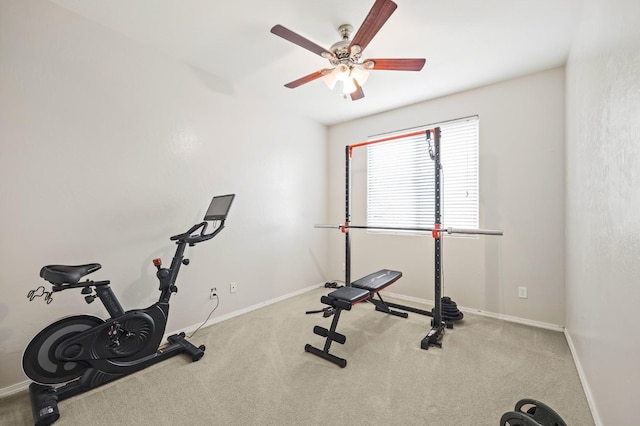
[[434, 336]]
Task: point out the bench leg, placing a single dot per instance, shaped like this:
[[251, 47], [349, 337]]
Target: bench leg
[[331, 336], [326, 355], [382, 306], [334, 336]]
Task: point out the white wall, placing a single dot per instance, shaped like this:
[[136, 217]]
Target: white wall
[[108, 148], [521, 192], [603, 205]]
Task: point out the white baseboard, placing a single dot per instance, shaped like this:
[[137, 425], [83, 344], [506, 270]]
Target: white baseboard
[[583, 379], [509, 318], [504, 317], [18, 387], [188, 330]]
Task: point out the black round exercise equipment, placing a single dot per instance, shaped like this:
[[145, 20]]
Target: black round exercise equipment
[[82, 352], [450, 310], [529, 412]]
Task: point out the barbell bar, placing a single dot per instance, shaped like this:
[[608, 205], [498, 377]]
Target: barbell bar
[[449, 230]]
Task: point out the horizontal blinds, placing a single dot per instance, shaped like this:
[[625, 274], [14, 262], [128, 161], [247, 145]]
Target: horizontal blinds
[[400, 173]]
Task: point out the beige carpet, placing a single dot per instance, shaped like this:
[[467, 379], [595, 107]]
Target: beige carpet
[[255, 372]]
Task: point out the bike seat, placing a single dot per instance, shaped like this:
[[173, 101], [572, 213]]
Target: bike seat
[[67, 274]]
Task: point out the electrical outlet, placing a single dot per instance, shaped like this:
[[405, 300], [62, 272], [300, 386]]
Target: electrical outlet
[[233, 288], [214, 293], [522, 292]]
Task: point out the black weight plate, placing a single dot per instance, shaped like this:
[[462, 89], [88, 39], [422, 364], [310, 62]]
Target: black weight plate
[[513, 418], [542, 413]]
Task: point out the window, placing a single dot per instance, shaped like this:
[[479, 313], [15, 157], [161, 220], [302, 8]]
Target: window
[[400, 178]]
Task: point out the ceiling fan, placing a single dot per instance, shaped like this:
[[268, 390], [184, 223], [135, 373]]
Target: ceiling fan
[[345, 55]]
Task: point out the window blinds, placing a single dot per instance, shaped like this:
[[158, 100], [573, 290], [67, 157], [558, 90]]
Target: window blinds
[[400, 178]]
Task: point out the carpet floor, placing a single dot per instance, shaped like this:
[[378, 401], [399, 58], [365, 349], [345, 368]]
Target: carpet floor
[[256, 372]]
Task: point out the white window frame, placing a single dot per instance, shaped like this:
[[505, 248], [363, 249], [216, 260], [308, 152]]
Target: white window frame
[[400, 178]]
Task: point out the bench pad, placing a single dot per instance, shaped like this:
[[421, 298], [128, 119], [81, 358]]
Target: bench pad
[[378, 280], [350, 294]]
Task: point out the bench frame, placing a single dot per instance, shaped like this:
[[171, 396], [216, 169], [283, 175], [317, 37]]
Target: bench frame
[[343, 299]]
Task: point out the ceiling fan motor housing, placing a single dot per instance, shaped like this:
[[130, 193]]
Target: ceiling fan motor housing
[[342, 54]]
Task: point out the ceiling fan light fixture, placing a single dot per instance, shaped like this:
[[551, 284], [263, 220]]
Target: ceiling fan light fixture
[[348, 86], [339, 73], [330, 80], [359, 75]]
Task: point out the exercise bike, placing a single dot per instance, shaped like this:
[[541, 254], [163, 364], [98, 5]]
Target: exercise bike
[[85, 351]]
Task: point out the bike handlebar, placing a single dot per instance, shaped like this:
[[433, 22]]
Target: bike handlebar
[[191, 239]]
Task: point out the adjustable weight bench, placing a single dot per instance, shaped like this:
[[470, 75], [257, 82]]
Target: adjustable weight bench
[[364, 289]]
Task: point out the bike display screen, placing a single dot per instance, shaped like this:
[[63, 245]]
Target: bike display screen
[[219, 207]]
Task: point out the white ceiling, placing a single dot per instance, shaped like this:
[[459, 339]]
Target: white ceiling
[[467, 44]]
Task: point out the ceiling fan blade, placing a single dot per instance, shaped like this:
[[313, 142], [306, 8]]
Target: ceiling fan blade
[[307, 78], [358, 93], [395, 64], [295, 38], [378, 15]]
